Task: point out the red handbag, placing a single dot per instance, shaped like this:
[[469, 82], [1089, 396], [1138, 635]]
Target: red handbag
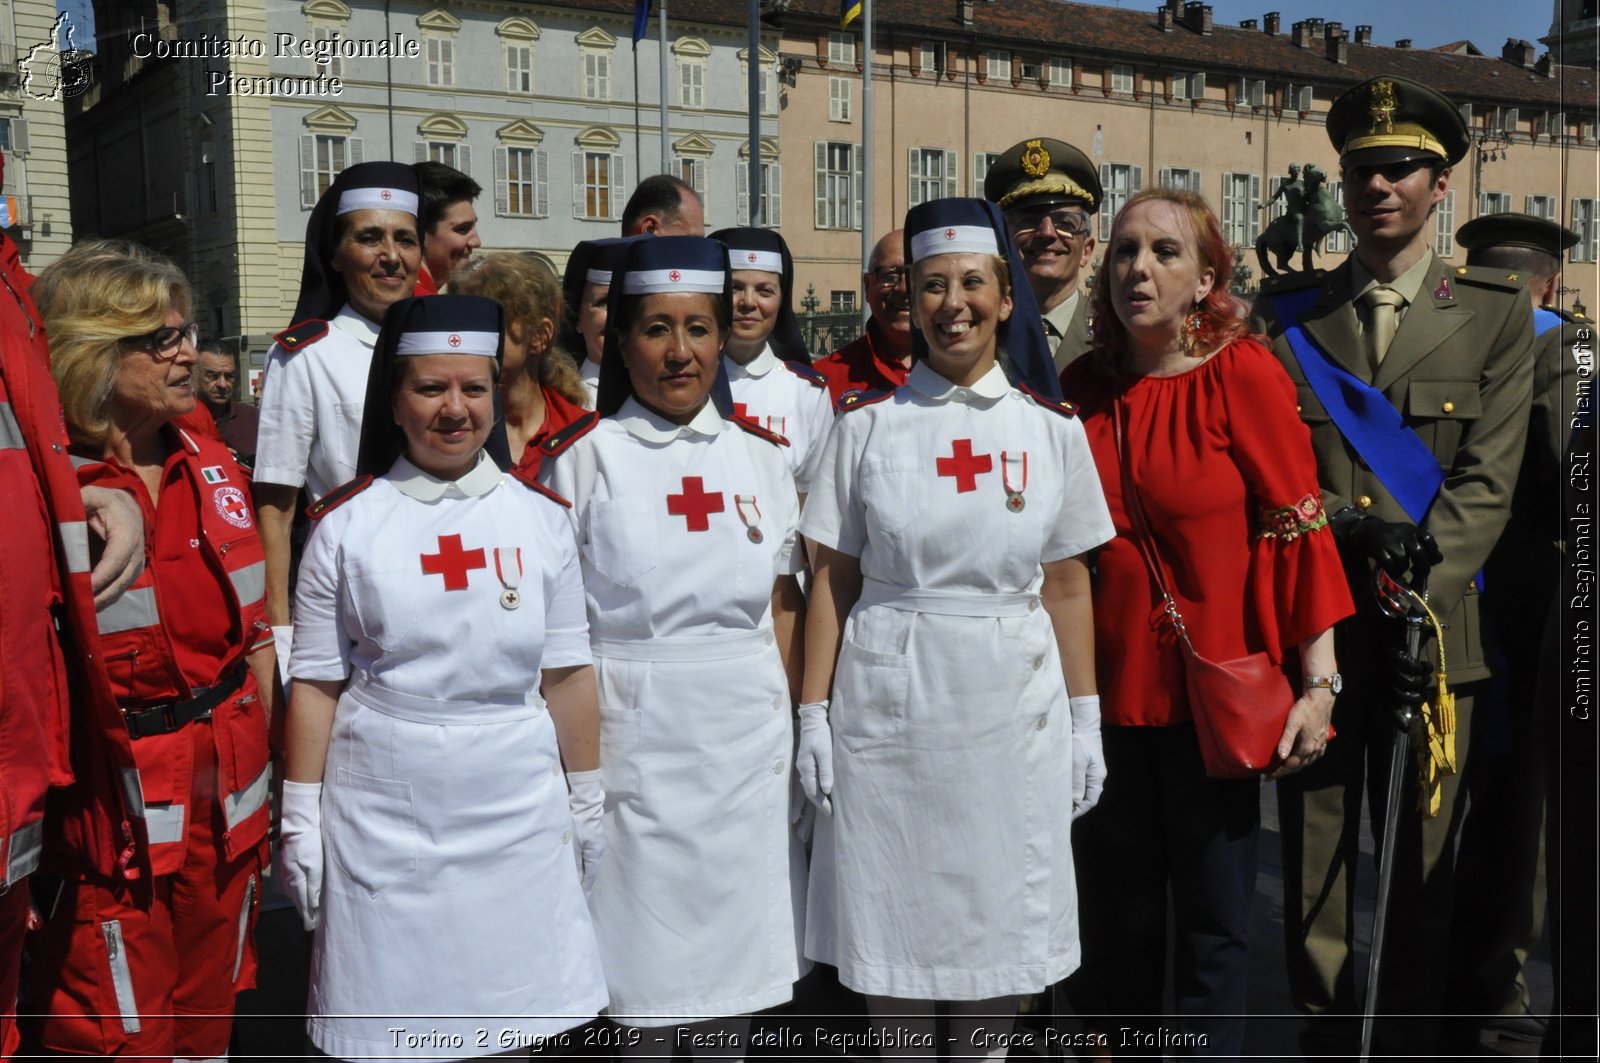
[[1240, 706]]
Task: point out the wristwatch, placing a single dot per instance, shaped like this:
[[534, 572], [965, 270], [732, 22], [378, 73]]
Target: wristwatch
[[1332, 683]]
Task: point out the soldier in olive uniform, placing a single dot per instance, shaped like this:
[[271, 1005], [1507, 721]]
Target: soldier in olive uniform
[[1499, 921], [1049, 192], [1392, 349]]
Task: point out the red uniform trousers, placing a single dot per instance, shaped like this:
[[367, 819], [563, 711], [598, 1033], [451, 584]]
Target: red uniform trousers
[[111, 978]]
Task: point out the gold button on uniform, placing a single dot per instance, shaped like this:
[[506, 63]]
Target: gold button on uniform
[[1364, 502], [1448, 407]]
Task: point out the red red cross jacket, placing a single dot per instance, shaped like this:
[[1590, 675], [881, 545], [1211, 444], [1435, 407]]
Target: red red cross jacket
[[58, 720], [148, 667]]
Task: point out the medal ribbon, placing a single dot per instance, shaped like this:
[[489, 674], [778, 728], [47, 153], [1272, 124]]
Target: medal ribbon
[[499, 569], [1006, 461], [740, 502]]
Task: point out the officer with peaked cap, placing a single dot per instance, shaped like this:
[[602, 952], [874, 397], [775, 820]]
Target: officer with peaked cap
[[1049, 191], [1500, 921], [1414, 379]]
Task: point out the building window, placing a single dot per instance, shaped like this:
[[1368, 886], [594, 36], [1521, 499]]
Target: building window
[[768, 80], [932, 174], [1297, 98], [1444, 226], [596, 74], [451, 153], [1505, 119], [1587, 249], [841, 302], [597, 180], [522, 182], [841, 49], [997, 65], [1188, 86], [1542, 207], [691, 170], [838, 185], [1241, 208], [1061, 73], [1338, 242], [1122, 79], [1494, 203], [933, 58], [440, 55], [1029, 70], [980, 169], [771, 207], [333, 65], [322, 156], [1118, 180], [838, 99], [519, 68], [1250, 92], [691, 54], [1178, 177]]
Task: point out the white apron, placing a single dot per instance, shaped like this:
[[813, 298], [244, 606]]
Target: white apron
[[945, 871], [697, 903], [451, 902]]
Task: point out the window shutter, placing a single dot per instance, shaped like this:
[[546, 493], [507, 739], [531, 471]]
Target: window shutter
[[741, 176], [1105, 182], [1136, 182], [353, 145], [914, 175], [579, 207], [821, 184], [952, 170], [19, 136], [619, 181], [502, 180], [421, 153], [856, 155], [1512, 118], [308, 171], [1166, 177], [772, 175], [1255, 207], [541, 186], [464, 157], [1197, 90]]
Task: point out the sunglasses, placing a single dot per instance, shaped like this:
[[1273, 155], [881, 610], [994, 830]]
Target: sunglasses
[[890, 277], [165, 342], [1066, 221]]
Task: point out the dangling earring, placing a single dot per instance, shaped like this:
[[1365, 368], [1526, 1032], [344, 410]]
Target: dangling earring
[[1197, 322]]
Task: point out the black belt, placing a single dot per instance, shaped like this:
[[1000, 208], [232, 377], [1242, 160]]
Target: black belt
[[164, 719]]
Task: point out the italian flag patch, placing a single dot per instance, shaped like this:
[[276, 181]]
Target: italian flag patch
[[214, 474]]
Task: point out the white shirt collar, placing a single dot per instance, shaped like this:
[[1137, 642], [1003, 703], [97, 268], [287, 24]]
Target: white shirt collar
[[759, 366], [426, 487], [992, 385], [348, 320], [589, 371], [653, 428]]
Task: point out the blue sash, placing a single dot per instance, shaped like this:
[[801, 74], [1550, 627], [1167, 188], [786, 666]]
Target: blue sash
[[1545, 320]]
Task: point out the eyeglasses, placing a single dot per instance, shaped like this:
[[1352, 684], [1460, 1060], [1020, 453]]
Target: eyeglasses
[[1066, 221], [165, 342], [889, 277]]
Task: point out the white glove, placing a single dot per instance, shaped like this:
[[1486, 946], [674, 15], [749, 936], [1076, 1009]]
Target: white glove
[[587, 800], [1088, 758], [300, 848], [813, 759], [115, 519], [283, 639], [802, 813]]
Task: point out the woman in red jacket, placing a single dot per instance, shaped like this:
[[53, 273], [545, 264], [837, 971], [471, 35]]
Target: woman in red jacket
[[191, 663]]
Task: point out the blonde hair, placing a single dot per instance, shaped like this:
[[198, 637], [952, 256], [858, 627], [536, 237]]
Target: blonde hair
[[528, 291], [98, 294]]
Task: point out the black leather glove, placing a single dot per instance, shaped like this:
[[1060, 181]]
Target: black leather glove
[[1410, 679], [1395, 546]]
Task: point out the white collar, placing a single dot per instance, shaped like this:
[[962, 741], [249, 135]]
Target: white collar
[[925, 380], [651, 427], [589, 371], [351, 321], [759, 366], [426, 487]]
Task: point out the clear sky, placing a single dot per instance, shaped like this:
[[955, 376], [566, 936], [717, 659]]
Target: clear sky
[[1429, 23]]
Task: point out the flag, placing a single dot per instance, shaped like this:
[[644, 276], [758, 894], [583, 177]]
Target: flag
[[641, 20], [849, 11]]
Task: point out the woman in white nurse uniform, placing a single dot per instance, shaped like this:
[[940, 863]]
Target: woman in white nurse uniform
[[442, 682], [686, 524], [950, 620], [585, 295]]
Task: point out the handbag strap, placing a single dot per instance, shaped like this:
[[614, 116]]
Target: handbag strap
[[1142, 536]]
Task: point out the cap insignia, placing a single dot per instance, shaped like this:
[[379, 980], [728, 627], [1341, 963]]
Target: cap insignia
[[1035, 159], [1382, 106]]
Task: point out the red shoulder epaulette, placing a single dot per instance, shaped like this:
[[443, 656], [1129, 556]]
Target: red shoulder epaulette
[[855, 398], [1061, 406], [338, 496], [569, 435], [808, 373], [301, 335], [526, 478], [756, 430]]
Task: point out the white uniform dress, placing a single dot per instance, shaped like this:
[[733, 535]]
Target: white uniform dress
[[698, 900], [945, 871], [451, 899], [589, 372], [311, 403], [771, 393]]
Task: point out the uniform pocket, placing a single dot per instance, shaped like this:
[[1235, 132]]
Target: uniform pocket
[[896, 495], [348, 441], [384, 605], [622, 538], [619, 744], [372, 829], [870, 694]]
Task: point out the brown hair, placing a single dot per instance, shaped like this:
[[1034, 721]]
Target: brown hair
[[1225, 315], [98, 294], [527, 291]]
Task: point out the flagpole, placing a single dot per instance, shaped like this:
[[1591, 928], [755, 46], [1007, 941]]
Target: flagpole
[[666, 148], [754, 74], [637, 157], [866, 136]]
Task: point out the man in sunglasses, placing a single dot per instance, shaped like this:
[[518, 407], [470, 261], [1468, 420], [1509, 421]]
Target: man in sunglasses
[[1049, 191]]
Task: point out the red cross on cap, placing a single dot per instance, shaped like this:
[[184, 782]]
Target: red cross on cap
[[674, 276], [949, 234], [386, 194], [750, 256], [454, 340]]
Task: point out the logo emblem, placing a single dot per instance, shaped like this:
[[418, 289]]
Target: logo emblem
[[750, 256], [1381, 107], [949, 234], [454, 340], [674, 276], [232, 504], [1035, 160], [57, 69], [386, 194]]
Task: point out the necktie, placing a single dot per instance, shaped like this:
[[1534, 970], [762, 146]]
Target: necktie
[[1383, 306]]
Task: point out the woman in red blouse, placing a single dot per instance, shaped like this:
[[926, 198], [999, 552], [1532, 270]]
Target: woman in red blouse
[[1225, 470], [540, 390]]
